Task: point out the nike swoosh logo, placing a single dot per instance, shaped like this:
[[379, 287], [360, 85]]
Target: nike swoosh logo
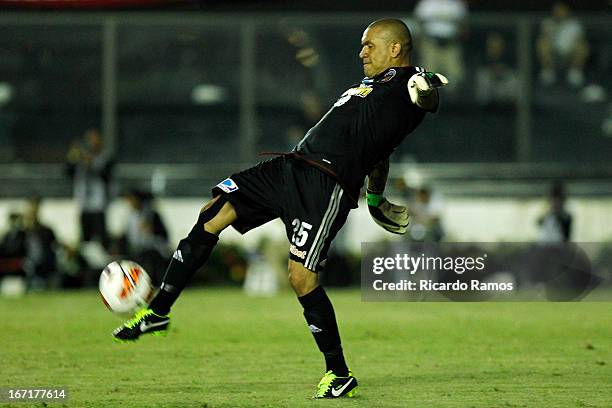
[[338, 392], [145, 327]]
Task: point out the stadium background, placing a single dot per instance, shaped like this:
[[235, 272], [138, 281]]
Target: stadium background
[[184, 97], [186, 92]]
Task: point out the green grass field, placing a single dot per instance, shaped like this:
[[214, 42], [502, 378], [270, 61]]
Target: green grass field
[[230, 350]]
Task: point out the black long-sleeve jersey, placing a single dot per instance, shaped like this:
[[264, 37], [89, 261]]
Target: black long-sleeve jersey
[[362, 128]]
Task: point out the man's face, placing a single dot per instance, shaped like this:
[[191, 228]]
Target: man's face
[[560, 10], [94, 140], [375, 52]]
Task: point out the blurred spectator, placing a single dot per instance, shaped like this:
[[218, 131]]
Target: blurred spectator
[[13, 241], [313, 67], [40, 262], [90, 167], [426, 212], [74, 271], [442, 26], [606, 126], [13, 246], [311, 111], [496, 80], [425, 208], [265, 269], [146, 237], [556, 224], [299, 61], [562, 41]]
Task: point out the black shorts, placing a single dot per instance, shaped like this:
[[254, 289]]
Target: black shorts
[[311, 204]]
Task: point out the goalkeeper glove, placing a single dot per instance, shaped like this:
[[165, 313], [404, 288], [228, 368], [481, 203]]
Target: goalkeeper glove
[[423, 83], [393, 218]]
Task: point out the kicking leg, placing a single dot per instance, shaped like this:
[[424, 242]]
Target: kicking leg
[[319, 313], [191, 253]]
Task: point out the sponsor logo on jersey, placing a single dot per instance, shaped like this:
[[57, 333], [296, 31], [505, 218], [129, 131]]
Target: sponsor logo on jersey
[[362, 91], [228, 185], [296, 252]]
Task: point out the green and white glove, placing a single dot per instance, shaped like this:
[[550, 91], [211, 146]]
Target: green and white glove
[[393, 218], [423, 83]]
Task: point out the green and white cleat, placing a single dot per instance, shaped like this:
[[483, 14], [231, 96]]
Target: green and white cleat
[[332, 386], [145, 321]]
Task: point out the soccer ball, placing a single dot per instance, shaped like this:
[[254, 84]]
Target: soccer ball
[[125, 287]]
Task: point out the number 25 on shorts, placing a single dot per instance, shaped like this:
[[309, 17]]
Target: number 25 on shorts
[[300, 232]]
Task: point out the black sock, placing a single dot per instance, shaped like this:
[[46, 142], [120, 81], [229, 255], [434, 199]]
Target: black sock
[[191, 254], [319, 314]]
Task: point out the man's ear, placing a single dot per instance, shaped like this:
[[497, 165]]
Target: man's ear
[[396, 49]]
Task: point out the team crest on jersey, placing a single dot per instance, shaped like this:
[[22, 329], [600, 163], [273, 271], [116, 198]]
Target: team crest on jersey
[[361, 91], [389, 75], [228, 185]]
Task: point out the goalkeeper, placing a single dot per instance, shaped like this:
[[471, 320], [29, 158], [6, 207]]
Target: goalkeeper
[[313, 188]]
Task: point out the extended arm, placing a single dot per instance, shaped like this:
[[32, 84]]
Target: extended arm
[[422, 88], [429, 102], [378, 177], [393, 218]]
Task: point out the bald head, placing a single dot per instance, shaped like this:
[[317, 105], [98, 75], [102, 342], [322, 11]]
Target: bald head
[[395, 31], [385, 43]]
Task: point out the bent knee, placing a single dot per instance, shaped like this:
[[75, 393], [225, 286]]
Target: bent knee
[[302, 280], [216, 215]]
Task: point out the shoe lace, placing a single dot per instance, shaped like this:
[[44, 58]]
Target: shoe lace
[[325, 383], [138, 317]]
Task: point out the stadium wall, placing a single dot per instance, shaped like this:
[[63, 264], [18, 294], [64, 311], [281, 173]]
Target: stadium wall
[[464, 219]]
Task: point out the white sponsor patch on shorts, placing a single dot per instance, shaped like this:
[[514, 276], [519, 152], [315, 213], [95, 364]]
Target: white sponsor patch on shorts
[[300, 254], [228, 185]]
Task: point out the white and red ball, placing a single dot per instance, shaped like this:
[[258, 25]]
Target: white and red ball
[[125, 287]]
